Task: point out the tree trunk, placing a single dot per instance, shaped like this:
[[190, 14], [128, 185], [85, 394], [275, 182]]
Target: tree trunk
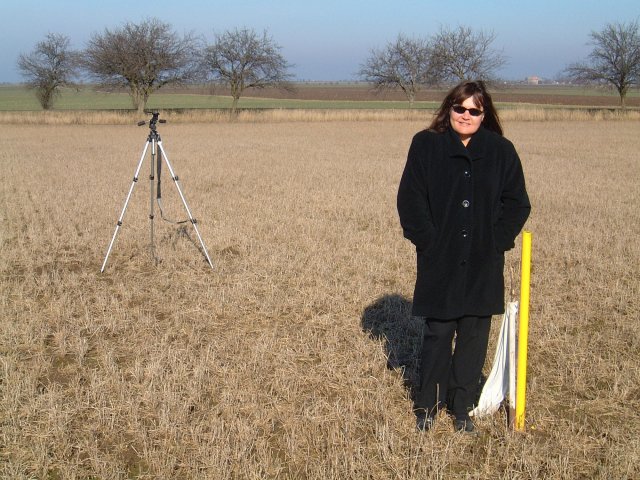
[[234, 105], [45, 97], [139, 100], [412, 98], [623, 93], [236, 92]]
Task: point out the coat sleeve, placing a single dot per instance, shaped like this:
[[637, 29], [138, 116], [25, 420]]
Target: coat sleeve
[[413, 200], [515, 204]]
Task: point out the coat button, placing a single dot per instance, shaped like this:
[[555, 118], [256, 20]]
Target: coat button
[[465, 234], [463, 263], [467, 173], [465, 203]]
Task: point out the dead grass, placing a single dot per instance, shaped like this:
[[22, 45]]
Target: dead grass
[[293, 358], [207, 116], [517, 112]]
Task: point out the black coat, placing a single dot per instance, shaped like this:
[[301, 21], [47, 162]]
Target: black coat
[[462, 207]]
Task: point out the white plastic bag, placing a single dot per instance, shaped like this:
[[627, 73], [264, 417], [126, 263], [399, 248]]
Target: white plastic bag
[[497, 384]]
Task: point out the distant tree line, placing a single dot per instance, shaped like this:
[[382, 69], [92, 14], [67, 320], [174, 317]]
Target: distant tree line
[[451, 55], [143, 57]]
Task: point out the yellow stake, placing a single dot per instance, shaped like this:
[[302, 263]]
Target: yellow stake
[[523, 333]]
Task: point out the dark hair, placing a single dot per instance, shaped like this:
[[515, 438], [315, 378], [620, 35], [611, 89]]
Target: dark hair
[[459, 94]]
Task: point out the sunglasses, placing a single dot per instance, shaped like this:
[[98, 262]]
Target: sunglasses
[[474, 112]]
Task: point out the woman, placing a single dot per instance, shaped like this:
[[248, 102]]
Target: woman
[[462, 202]]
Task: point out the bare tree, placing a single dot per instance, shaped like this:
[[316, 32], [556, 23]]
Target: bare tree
[[243, 59], [464, 54], [614, 60], [404, 63], [142, 58], [48, 68]]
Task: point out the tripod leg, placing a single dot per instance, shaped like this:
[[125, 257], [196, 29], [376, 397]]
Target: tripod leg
[[124, 208], [184, 202], [151, 203]]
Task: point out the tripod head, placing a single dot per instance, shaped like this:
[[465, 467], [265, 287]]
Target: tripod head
[[154, 120]]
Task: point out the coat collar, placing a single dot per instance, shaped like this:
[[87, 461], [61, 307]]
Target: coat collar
[[474, 150]]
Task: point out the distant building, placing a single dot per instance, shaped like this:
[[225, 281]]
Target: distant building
[[533, 80]]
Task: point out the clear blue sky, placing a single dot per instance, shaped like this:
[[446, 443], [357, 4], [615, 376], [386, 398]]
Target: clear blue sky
[[328, 40]]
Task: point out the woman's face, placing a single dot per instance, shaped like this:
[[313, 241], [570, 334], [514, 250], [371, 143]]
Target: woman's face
[[465, 124]]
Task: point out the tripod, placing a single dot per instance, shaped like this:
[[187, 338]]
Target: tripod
[[154, 141]]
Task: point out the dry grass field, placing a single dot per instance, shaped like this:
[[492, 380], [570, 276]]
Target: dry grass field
[[295, 356]]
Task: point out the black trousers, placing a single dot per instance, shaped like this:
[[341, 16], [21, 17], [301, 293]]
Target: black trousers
[[450, 375]]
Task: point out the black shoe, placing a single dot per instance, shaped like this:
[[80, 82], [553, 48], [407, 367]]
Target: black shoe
[[424, 422], [464, 425]]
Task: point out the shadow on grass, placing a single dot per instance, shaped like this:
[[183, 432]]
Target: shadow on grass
[[389, 319]]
